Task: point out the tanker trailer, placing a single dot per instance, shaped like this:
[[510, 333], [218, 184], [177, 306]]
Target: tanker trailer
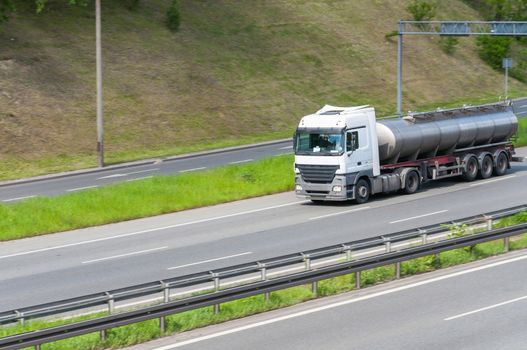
[[344, 153]]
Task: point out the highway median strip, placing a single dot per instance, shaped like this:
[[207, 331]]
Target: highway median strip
[[147, 330], [147, 197]]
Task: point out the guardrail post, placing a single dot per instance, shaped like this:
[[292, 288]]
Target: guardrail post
[[424, 238], [357, 280], [263, 272], [388, 246], [506, 244], [488, 220], [314, 285], [348, 252], [37, 347], [21, 318], [216, 288], [166, 299], [398, 270], [103, 335], [111, 303]]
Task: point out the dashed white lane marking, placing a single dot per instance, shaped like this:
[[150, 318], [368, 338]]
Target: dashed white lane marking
[[151, 230], [419, 216], [287, 147], [338, 304], [81, 188], [210, 260], [140, 178], [480, 183], [339, 213], [124, 255], [242, 161], [17, 198], [126, 174], [193, 169], [486, 308]]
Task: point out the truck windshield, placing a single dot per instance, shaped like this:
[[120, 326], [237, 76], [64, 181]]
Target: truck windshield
[[317, 143]]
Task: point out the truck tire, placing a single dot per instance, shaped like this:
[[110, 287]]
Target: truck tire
[[471, 169], [362, 191], [412, 182], [485, 170], [502, 163]]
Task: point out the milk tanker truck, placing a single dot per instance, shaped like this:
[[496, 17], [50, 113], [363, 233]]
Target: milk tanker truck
[[344, 153]]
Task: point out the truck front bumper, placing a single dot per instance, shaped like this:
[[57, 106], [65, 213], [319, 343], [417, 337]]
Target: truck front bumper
[[324, 192]]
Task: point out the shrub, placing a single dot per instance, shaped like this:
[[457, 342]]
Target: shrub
[[132, 5], [173, 16], [422, 10], [492, 49], [448, 44]]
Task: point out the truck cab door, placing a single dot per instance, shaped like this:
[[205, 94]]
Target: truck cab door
[[358, 150]]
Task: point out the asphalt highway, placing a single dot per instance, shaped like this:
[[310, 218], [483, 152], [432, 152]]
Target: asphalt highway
[[479, 306], [11, 193], [70, 264]]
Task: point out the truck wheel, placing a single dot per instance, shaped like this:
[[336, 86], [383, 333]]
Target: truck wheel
[[411, 183], [502, 162], [471, 169], [362, 191], [486, 167]]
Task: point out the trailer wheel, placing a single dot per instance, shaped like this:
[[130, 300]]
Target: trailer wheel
[[502, 162], [486, 167], [362, 191], [412, 182], [471, 169]]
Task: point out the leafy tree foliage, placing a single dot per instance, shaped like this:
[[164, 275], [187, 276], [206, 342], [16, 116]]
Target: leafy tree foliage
[[8, 6], [173, 16], [422, 10]]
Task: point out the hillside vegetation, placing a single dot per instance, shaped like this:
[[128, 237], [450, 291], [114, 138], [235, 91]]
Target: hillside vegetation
[[236, 71]]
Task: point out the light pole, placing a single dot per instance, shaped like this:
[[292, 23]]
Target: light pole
[[98, 54]]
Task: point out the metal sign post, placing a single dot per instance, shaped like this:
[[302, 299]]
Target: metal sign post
[[452, 28], [507, 63]]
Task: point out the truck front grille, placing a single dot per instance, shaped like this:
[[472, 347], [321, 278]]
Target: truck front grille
[[321, 174]]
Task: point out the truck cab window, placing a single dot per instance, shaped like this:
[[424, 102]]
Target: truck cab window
[[352, 141]]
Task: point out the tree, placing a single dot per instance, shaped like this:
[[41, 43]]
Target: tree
[[8, 6]]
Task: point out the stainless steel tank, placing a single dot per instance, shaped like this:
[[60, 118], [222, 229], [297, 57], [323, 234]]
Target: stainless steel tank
[[431, 134]]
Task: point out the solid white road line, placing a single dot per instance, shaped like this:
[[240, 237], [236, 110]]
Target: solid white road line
[[486, 308], [150, 230], [339, 213], [242, 161], [419, 216], [338, 304], [480, 183], [287, 147], [193, 169], [140, 178], [124, 255], [210, 260], [126, 174], [81, 188], [17, 198]]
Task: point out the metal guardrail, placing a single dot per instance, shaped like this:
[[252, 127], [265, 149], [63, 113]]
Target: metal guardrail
[[261, 284]]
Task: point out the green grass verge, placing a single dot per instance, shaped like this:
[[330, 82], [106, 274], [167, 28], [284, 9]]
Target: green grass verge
[[148, 330], [521, 140], [143, 198]]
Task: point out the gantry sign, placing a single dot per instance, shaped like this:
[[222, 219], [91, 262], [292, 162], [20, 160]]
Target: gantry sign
[[450, 28]]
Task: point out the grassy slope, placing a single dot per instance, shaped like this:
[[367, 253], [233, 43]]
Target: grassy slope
[[237, 71]]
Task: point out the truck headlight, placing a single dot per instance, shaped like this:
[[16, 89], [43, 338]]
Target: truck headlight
[[298, 188], [337, 188]]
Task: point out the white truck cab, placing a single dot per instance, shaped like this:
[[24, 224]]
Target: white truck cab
[[333, 148]]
